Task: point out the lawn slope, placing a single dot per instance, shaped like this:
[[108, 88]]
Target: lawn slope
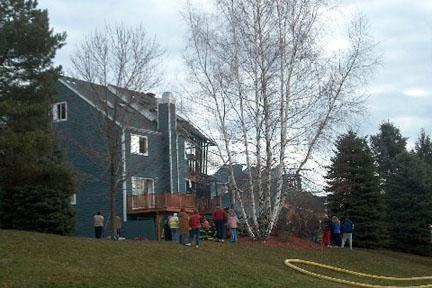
[[40, 260]]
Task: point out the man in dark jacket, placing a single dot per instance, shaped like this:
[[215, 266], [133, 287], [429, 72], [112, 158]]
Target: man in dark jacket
[[347, 230], [219, 218], [167, 230]]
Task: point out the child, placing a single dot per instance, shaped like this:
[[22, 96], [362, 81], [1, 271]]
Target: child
[[232, 222]]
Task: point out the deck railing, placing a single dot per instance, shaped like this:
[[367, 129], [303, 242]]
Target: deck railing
[[206, 205], [161, 202]]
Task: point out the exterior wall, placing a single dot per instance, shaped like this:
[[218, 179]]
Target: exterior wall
[[82, 142], [139, 227], [151, 166]]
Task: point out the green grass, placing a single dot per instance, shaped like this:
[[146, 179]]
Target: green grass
[[39, 260]]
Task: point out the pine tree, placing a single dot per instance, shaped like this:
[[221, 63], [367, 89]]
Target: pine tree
[[409, 201], [30, 169], [386, 146], [423, 147], [354, 189]]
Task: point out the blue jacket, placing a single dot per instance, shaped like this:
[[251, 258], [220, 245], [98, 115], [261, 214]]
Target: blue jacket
[[336, 228], [347, 226]]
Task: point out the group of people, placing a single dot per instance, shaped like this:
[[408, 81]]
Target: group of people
[[180, 227], [185, 229], [98, 223], [336, 232]]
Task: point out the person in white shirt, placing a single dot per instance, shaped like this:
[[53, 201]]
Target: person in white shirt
[[98, 220]]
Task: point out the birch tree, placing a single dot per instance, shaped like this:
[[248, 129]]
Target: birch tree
[[117, 59], [261, 68]]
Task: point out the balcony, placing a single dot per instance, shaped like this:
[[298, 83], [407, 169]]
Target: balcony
[[160, 202]]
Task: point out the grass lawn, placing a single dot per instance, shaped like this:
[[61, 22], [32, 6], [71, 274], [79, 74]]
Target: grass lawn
[[38, 260]]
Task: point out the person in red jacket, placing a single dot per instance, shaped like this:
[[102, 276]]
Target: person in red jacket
[[326, 226], [219, 217], [195, 225]]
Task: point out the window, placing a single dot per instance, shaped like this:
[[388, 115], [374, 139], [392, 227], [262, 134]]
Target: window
[[141, 186], [59, 111], [73, 199], [189, 149], [139, 145]]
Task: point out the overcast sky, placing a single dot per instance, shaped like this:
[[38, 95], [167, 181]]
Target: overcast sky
[[400, 91]]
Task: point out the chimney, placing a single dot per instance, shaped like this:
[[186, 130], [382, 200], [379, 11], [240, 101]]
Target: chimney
[[167, 125], [168, 97]]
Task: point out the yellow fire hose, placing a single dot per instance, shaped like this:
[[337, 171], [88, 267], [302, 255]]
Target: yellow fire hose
[[289, 263]]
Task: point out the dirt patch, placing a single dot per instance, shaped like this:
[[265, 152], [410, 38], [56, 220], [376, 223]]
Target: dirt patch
[[290, 242]]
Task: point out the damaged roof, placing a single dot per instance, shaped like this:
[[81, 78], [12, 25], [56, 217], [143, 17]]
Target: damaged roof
[[136, 104]]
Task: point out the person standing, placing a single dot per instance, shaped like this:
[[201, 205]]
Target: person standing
[[174, 226], [195, 225], [347, 229], [98, 220], [326, 226], [336, 232], [232, 222], [226, 229], [219, 220], [183, 227], [167, 230]]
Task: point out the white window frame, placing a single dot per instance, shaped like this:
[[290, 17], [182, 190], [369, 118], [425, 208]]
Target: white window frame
[[55, 109], [135, 147], [136, 178], [73, 199]]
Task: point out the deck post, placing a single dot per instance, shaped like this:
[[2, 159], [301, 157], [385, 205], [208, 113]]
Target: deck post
[[157, 223]]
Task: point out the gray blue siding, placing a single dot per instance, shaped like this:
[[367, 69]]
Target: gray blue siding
[[83, 142]]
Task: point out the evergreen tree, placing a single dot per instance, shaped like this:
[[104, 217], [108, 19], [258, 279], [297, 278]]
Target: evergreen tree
[[409, 204], [354, 189], [31, 173], [423, 147], [386, 146]]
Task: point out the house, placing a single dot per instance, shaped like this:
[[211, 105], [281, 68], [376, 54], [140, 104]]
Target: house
[[162, 156], [301, 210], [221, 186]]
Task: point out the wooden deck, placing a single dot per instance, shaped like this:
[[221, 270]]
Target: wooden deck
[[165, 202]]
